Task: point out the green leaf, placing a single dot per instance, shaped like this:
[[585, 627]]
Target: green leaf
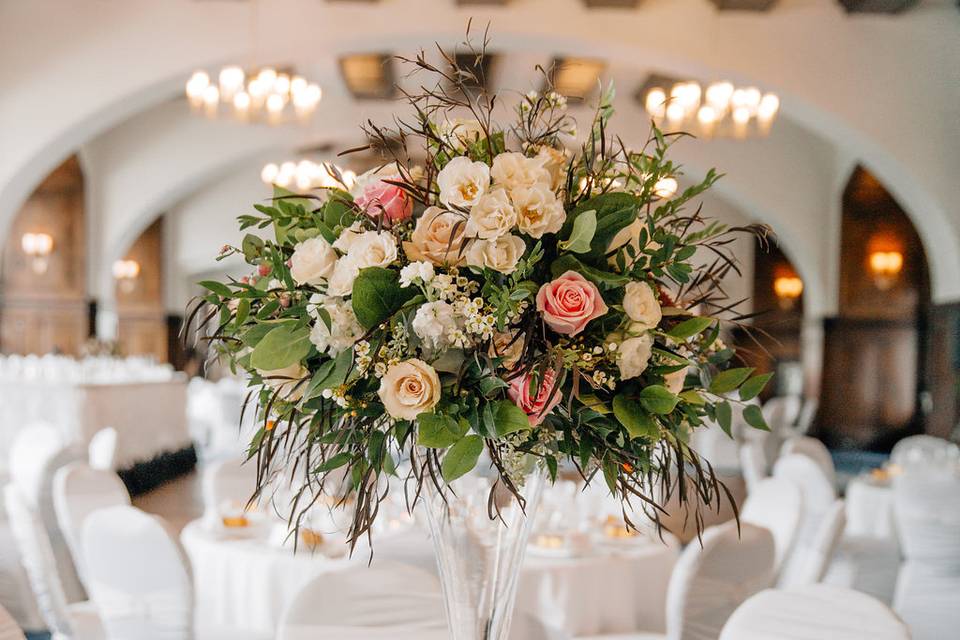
[[251, 246], [508, 418], [690, 327], [218, 288], [631, 415], [461, 457], [280, 348], [754, 417], [724, 413], [752, 387], [335, 462], [243, 311], [583, 229], [437, 431], [338, 374], [657, 399], [692, 397], [316, 382], [377, 295], [600, 277], [727, 381]]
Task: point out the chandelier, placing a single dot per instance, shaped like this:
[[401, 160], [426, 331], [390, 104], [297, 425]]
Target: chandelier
[[306, 175], [719, 110], [268, 95]]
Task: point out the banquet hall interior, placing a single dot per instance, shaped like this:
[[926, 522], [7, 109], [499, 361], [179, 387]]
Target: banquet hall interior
[[133, 133]]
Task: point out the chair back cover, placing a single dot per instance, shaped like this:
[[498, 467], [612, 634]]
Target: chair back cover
[[78, 491], [31, 453], [9, 629], [715, 446], [782, 412], [710, 581], [807, 414], [814, 612], [777, 504], [231, 481], [138, 575], [753, 464], [36, 556], [812, 555], [925, 451], [814, 449], [927, 511], [102, 450]]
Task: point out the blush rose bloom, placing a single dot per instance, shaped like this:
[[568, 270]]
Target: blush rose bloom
[[409, 388], [535, 408], [641, 304], [437, 238], [381, 197], [568, 303], [312, 261]]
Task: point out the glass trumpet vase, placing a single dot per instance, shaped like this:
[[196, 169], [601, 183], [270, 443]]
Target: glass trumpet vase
[[479, 558]]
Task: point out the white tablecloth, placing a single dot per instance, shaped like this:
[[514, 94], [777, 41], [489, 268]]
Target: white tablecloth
[[150, 417], [246, 584], [869, 509]]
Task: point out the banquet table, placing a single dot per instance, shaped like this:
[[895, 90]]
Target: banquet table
[[246, 583]]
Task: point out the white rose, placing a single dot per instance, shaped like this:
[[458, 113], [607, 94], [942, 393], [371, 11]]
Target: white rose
[[286, 380], [373, 249], [674, 381], [501, 254], [634, 354], [460, 132], [344, 330], [312, 261], [419, 270], [538, 210], [347, 237], [344, 273], [492, 216], [641, 304], [554, 161], [514, 170], [409, 388], [433, 323], [463, 182]]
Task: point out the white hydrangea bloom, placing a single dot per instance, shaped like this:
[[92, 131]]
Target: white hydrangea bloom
[[416, 270], [434, 322], [344, 330]]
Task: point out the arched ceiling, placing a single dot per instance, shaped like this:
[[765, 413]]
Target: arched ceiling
[[882, 90]]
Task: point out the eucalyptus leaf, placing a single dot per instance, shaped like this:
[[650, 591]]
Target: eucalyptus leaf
[[690, 327], [727, 381], [754, 417], [752, 387], [583, 229], [437, 431], [377, 295], [658, 399], [634, 418], [461, 457], [508, 418], [282, 347], [724, 413]]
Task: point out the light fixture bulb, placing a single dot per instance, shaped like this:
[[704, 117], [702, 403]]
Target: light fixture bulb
[[654, 102], [269, 173]]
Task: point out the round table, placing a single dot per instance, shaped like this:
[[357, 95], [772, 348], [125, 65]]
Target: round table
[[245, 584]]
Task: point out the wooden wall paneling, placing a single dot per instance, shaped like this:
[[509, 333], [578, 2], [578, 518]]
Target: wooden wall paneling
[[942, 367], [142, 323]]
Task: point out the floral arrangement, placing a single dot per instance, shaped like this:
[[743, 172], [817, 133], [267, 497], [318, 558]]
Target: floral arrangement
[[489, 291]]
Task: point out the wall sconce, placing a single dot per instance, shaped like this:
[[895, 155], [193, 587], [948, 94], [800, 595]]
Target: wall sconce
[[125, 272], [885, 267], [38, 247], [787, 289]]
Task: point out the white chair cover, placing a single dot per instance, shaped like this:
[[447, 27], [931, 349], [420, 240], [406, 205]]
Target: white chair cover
[[138, 576], [716, 447], [710, 582], [812, 556], [813, 612], [866, 564], [777, 504], [102, 450], [31, 452], [927, 508], [814, 449], [9, 629], [78, 491], [926, 451], [231, 481], [753, 464], [807, 415], [782, 412]]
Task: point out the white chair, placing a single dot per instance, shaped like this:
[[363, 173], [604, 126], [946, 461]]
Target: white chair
[[710, 581], [813, 612], [78, 491], [782, 412], [77, 621], [812, 555], [138, 575], [228, 481], [9, 629], [926, 451], [753, 464], [814, 449], [777, 504], [927, 509], [807, 415], [102, 450], [715, 446], [387, 601]]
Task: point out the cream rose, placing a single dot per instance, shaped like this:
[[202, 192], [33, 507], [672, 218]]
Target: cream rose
[[286, 381], [409, 388], [674, 381], [501, 254], [463, 182], [347, 237], [514, 170], [508, 346], [437, 238], [641, 304], [373, 249], [344, 273], [555, 163], [492, 217], [634, 356], [312, 261], [538, 210], [460, 132]]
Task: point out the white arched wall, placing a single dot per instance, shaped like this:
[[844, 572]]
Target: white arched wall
[[881, 87]]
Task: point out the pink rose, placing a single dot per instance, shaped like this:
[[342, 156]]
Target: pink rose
[[569, 303], [535, 408], [381, 197]]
